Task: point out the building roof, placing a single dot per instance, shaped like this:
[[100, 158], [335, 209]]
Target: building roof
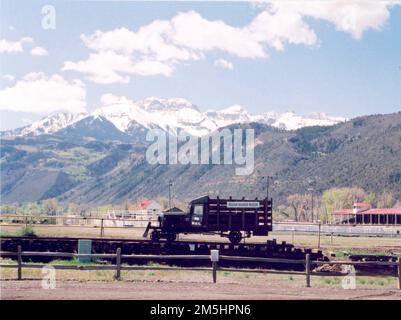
[[173, 209], [383, 211], [143, 205], [370, 211]]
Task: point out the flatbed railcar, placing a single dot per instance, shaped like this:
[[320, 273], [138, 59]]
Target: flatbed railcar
[[232, 218]]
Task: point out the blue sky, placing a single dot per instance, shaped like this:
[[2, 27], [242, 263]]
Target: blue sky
[[343, 68]]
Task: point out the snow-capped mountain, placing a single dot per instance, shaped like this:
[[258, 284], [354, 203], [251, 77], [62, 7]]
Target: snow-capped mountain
[[165, 114], [47, 125], [292, 121], [230, 115], [169, 115]]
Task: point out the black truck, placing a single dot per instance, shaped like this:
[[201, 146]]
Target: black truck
[[232, 218]]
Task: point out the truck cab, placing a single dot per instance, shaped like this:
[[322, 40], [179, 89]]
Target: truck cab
[[196, 215]]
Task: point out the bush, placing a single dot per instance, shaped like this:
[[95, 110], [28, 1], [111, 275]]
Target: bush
[[4, 233], [26, 231]]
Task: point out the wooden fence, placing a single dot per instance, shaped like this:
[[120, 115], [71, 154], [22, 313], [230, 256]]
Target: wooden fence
[[214, 257]]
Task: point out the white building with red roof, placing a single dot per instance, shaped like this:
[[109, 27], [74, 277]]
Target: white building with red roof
[[137, 215], [149, 207], [362, 213]]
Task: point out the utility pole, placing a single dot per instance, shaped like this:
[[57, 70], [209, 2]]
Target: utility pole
[[170, 184], [267, 185]]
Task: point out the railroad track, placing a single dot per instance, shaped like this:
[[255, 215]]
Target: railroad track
[[269, 249]]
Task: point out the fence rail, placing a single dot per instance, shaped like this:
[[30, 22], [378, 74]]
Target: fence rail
[[214, 257]]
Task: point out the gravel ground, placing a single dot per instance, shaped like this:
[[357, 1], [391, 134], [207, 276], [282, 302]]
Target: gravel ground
[[32, 289]]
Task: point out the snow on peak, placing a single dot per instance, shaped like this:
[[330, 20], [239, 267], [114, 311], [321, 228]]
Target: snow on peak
[[292, 121], [47, 125], [171, 115], [167, 114], [235, 109], [153, 104], [123, 113], [231, 115]]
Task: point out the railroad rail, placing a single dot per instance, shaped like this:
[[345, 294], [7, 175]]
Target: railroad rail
[[269, 249], [257, 253]]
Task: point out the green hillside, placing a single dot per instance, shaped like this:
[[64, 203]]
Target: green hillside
[[364, 152]]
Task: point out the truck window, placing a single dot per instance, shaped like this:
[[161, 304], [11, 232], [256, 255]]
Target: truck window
[[198, 211], [197, 216]]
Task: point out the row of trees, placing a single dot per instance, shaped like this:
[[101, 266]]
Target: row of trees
[[298, 207], [48, 207], [51, 207]]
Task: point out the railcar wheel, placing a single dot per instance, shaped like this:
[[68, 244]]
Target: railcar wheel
[[235, 237], [155, 236], [171, 237]]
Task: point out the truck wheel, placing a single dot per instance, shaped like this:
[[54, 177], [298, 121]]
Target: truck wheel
[[235, 237], [155, 236]]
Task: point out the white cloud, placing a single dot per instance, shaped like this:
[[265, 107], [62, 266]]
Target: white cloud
[[8, 77], [7, 46], [223, 64], [11, 28], [159, 47], [19, 46], [351, 16], [102, 67], [37, 92], [276, 28], [39, 51], [106, 67], [191, 30]]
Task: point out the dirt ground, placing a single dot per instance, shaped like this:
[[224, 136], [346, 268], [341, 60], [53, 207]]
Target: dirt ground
[[66, 290]]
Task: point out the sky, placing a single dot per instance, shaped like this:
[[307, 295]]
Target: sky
[[339, 57]]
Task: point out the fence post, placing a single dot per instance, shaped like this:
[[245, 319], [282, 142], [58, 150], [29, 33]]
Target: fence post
[[214, 264], [101, 229], [118, 264], [214, 257], [307, 270], [399, 273], [19, 262]]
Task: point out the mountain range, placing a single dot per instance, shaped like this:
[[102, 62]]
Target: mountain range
[[169, 115], [99, 158]]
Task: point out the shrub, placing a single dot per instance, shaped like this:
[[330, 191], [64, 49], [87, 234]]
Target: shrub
[[26, 231]]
